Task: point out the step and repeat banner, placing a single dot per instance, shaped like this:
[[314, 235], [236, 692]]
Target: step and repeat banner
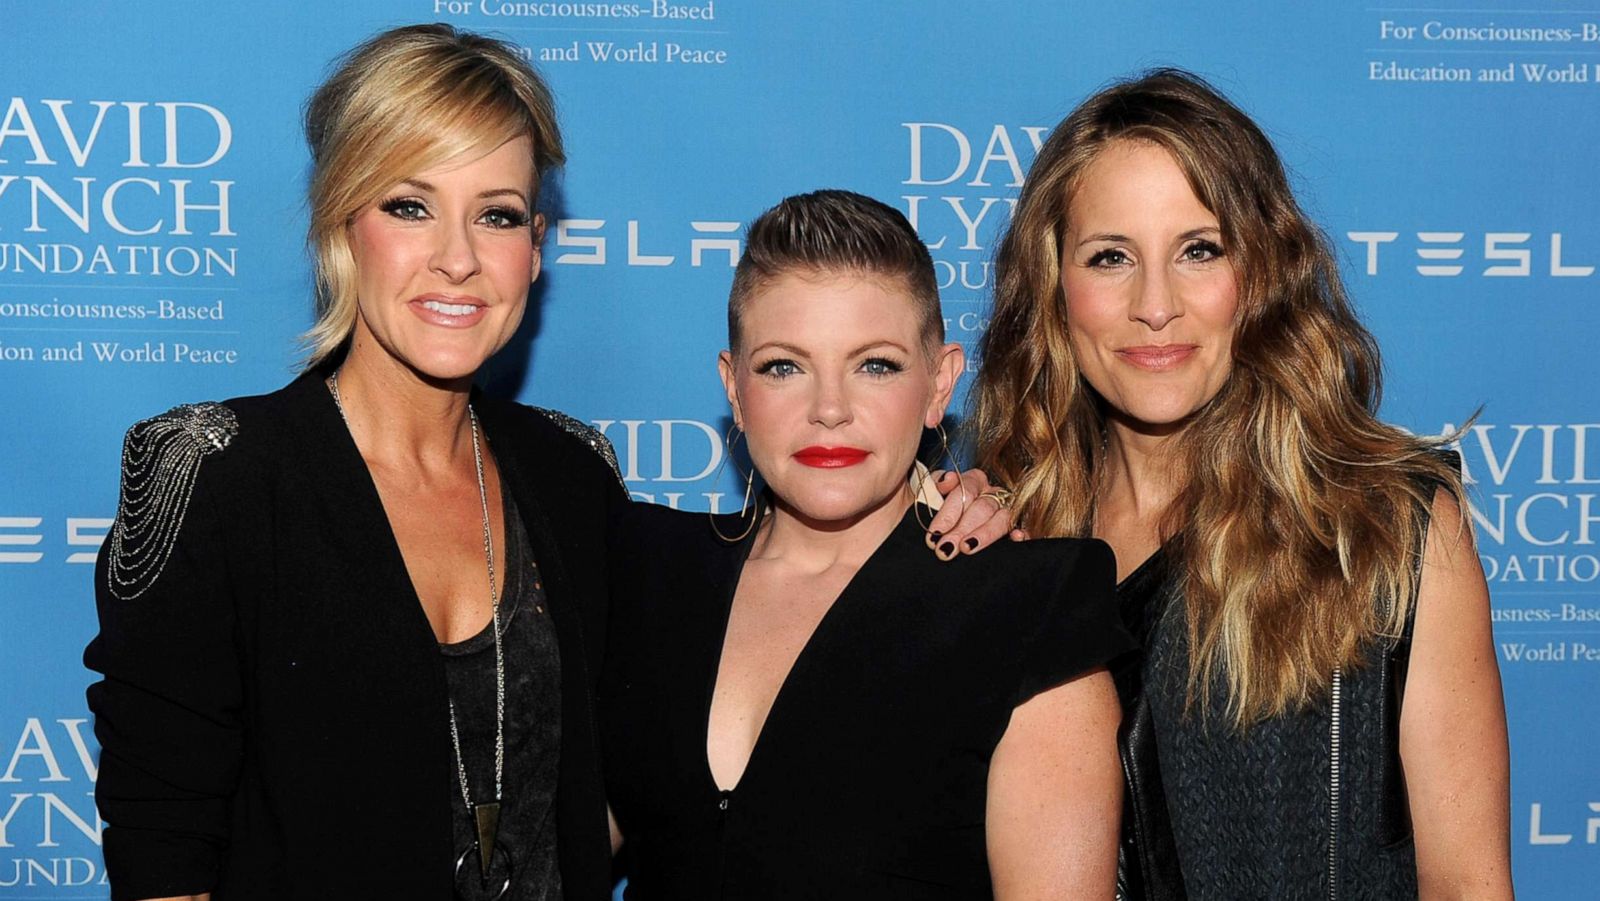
[[152, 177]]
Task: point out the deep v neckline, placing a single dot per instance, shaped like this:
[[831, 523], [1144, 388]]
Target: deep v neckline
[[785, 686], [400, 573]]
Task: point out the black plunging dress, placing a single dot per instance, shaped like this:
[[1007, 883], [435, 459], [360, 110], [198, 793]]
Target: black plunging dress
[[869, 777]]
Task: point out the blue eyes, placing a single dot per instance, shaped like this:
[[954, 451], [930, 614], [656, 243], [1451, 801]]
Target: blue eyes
[[404, 208], [782, 367], [500, 218], [505, 217], [778, 368]]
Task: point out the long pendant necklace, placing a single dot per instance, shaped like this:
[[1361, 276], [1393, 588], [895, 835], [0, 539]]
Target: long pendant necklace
[[485, 816]]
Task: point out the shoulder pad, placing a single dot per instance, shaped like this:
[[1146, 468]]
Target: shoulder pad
[[589, 435], [160, 463]]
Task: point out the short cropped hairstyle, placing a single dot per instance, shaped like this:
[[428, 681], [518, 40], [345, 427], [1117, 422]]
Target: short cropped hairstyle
[[404, 102], [829, 232]]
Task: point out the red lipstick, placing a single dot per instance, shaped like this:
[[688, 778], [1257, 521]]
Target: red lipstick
[[1157, 357], [830, 457]]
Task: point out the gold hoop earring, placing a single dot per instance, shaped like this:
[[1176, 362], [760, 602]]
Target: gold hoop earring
[[922, 475], [749, 485]]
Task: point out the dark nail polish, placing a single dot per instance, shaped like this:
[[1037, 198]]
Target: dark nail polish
[[948, 549], [971, 543], [935, 536]]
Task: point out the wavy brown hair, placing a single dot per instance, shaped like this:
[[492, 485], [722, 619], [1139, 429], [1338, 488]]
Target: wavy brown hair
[[1298, 507]]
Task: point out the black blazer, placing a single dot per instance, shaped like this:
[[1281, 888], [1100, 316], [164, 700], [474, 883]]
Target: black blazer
[[273, 717]]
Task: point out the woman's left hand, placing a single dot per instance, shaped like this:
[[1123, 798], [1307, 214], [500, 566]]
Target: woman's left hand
[[973, 516]]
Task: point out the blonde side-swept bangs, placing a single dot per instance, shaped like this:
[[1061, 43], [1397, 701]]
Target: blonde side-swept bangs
[[406, 101]]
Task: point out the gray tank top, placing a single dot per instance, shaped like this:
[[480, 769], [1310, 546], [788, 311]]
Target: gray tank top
[[527, 837]]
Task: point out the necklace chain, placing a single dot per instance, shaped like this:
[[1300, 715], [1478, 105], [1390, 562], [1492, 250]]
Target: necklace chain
[[494, 606]]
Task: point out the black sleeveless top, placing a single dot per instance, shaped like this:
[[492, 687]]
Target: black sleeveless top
[[869, 777], [1267, 812], [526, 845]]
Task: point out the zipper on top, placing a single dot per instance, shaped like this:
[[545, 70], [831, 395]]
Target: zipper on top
[[724, 801], [1334, 741]]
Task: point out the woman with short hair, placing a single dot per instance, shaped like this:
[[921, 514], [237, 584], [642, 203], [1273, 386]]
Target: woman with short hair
[[799, 702]]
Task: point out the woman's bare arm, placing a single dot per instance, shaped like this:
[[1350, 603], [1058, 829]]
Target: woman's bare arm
[[1453, 724], [1055, 795]]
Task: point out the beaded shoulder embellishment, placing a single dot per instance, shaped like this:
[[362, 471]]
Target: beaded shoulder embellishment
[[589, 435], [160, 462]]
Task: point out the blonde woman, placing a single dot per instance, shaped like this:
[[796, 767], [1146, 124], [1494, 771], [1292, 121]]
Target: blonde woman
[[346, 653], [1173, 367]]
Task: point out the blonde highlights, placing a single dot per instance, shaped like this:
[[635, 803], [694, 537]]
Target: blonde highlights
[[1299, 507], [406, 101]]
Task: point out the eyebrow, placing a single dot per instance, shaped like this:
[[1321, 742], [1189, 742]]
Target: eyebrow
[[1115, 238], [876, 344], [421, 185], [779, 345], [800, 352]]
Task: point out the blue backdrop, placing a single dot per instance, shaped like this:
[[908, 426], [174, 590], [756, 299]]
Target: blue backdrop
[[151, 252]]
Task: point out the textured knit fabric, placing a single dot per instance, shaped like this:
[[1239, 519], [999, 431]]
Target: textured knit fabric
[[869, 777], [1251, 809]]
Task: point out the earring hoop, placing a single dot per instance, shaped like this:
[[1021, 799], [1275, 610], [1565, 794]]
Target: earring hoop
[[922, 475], [728, 442]]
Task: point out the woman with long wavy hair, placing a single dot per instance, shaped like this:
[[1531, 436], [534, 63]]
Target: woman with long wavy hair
[[1173, 367]]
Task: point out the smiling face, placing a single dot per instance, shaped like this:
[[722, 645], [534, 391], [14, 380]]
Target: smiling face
[[1151, 295], [833, 385], [444, 260]]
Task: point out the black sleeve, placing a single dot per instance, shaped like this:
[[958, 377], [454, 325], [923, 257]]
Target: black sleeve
[[618, 497], [1078, 627], [168, 710]]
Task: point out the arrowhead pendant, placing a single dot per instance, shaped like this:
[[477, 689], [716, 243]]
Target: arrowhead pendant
[[487, 819]]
